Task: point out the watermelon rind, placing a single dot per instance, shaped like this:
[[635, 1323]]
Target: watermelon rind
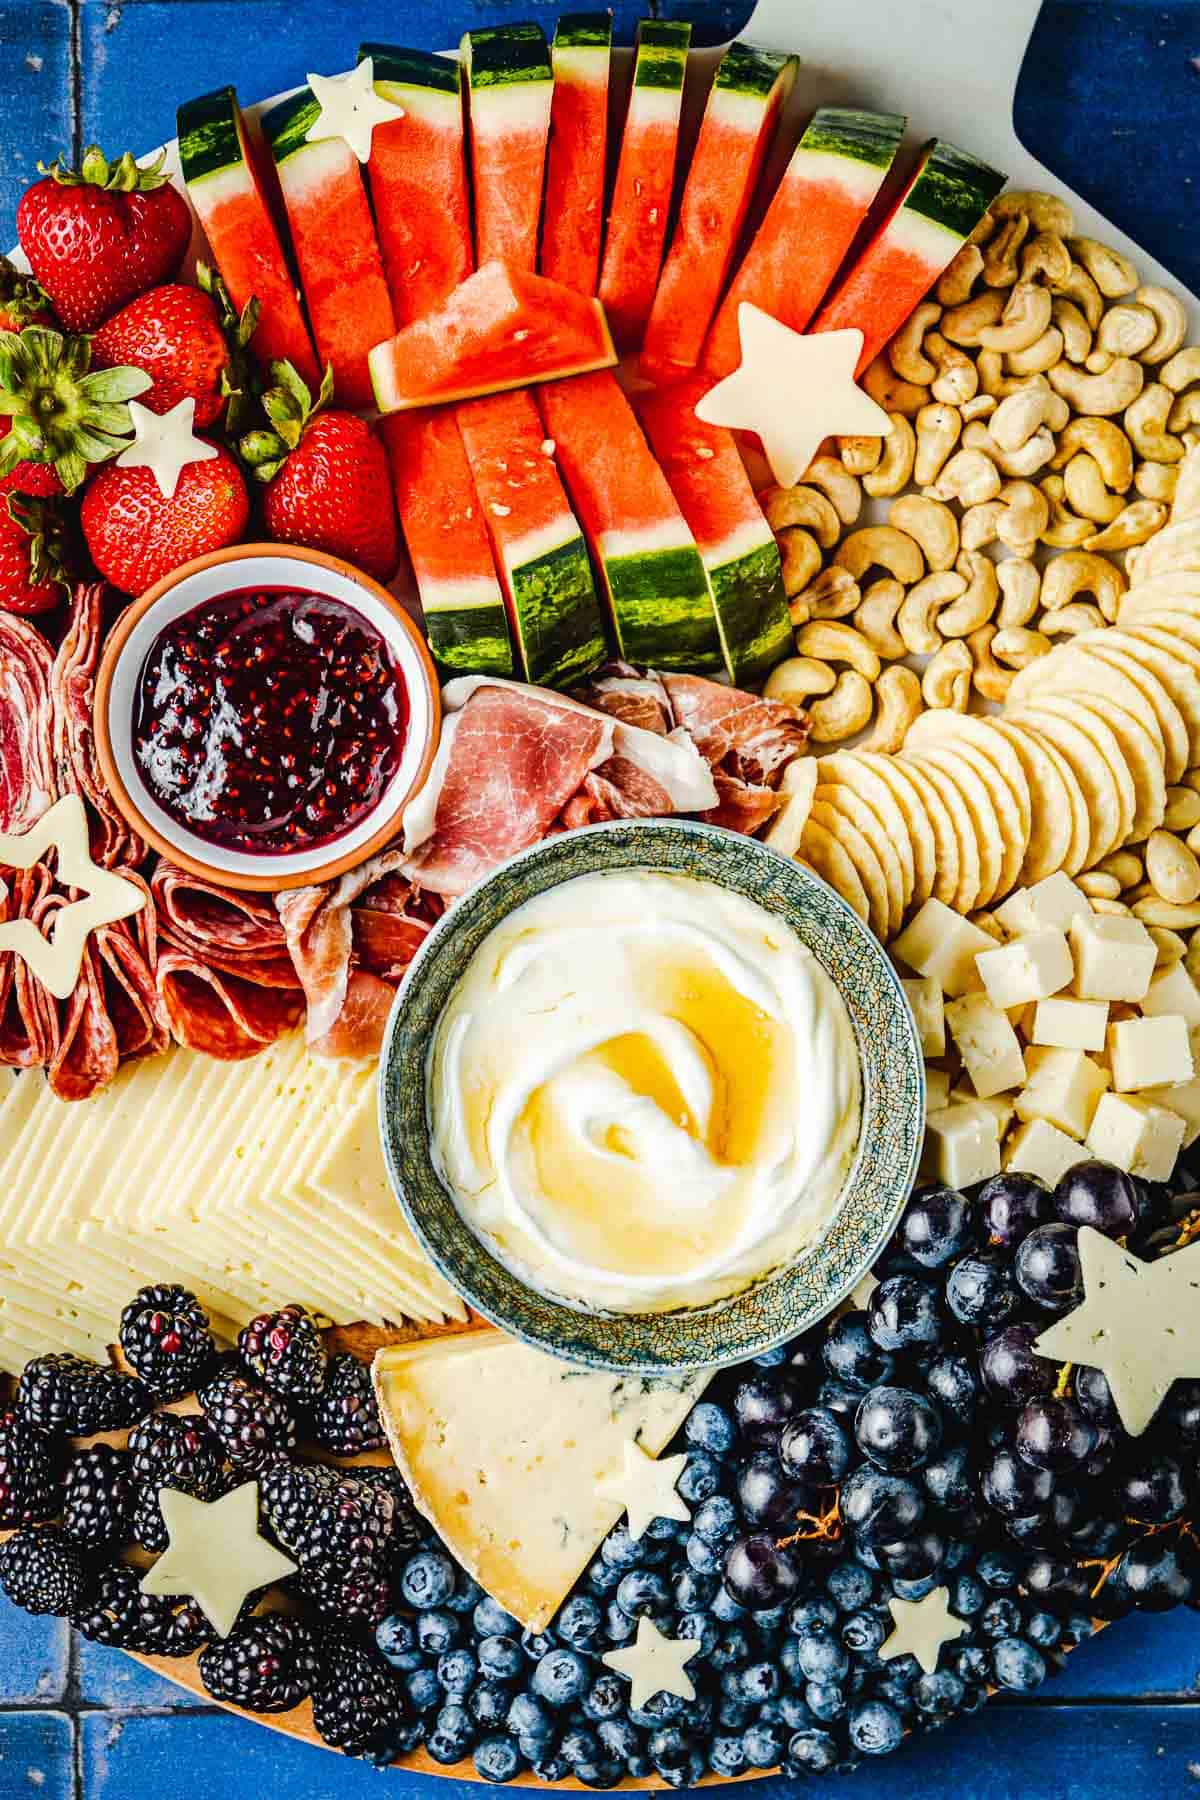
[[745, 70], [953, 189], [286, 126], [412, 71], [209, 138], [554, 595], [863, 137], [583, 31], [468, 636], [751, 609], [662, 53], [662, 608], [501, 56]]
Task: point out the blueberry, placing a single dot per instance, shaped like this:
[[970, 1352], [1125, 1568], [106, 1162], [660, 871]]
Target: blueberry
[[813, 1752], [734, 1715], [1017, 1665], [491, 1620], [1000, 1618], [793, 1712], [427, 1579], [726, 1755], [424, 1690], [396, 1638], [489, 1704], [560, 1678], [581, 1621], [725, 1608], [905, 1314], [822, 1658], [864, 1632], [764, 1745], [771, 1359], [940, 1695], [808, 1616], [602, 1578], [528, 1718], [580, 1745], [710, 1427], [849, 1585], [730, 1651], [605, 1699], [642, 1592], [1044, 1630], [535, 1644], [619, 1628], [701, 1626], [705, 1558], [853, 1355], [700, 1477], [716, 1520], [825, 1700], [618, 1738], [620, 1550], [452, 1735], [437, 1631], [769, 1620], [693, 1592], [456, 1670], [915, 1589], [999, 1571], [500, 1658], [966, 1596], [466, 1596], [758, 1681], [497, 1758], [875, 1728], [971, 1663]]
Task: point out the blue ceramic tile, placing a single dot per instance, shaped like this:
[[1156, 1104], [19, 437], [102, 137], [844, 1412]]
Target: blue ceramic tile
[[111, 1679], [33, 1657], [35, 95], [1137, 1656], [37, 1756]]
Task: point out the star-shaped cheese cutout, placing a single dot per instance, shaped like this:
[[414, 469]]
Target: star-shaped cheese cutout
[[56, 958], [350, 108], [921, 1628], [165, 444], [646, 1488], [215, 1553], [793, 391], [654, 1664], [1139, 1323], [860, 1294]]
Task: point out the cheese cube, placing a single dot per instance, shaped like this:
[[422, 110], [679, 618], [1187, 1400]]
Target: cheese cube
[[1147, 1053], [1142, 1138], [987, 1043], [961, 1146], [1114, 957], [1041, 1149], [925, 997], [999, 1107], [1064, 1088], [1031, 967], [1070, 1024], [1054, 901], [1173, 991], [1182, 1098], [937, 1089], [941, 944]]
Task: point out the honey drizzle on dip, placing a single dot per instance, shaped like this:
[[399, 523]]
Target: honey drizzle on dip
[[644, 1092]]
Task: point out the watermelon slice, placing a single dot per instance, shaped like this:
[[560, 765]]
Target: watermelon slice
[[641, 202], [224, 187], [511, 86], [946, 197], [574, 220], [440, 516], [708, 479], [739, 122], [829, 186], [540, 554], [418, 179], [335, 243], [500, 328], [653, 577]]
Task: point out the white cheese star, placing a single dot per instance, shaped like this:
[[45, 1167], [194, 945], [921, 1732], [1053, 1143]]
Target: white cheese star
[[922, 1627], [654, 1664], [793, 391], [350, 108], [165, 444], [860, 1295], [215, 1553], [56, 958], [1139, 1323], [646, 1488]]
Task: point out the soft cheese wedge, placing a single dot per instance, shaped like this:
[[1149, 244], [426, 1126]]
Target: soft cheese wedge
[[503, 1449]]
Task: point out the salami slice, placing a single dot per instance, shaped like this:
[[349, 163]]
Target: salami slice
[[28, 1014], [219, 1014], [127, 952], [86, 1054], [235, 933], [77, 770], [27, 779]]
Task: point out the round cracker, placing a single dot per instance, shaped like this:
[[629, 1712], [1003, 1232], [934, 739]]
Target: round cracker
[[1109, 796], [845, 798], [910, 804], [1176, 663], [995, 814], [826, 858], [1158, 597], [1143, 759], [946, 857], [1091, 715], [971, 878], [1051, 811], [1071, 669], [851, 769], [844, 817], [1175, 547], [1000, 770], [1173, 729]]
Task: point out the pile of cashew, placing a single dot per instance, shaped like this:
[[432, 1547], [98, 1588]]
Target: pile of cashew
[[1041, 400]]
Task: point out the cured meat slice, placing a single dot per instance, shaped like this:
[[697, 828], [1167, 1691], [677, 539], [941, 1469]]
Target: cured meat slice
[[748, 735], [629, 695], [27, 783], [77, 770], [28, 1018], [238, 933], [86, 1054], [219, 1014], [127, 953]]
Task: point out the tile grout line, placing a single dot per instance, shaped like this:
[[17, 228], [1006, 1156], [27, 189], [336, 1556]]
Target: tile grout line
[[74, 9]]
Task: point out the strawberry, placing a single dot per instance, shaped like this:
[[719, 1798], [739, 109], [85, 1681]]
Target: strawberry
[[35, 478], [22, 301], [32, 579], [60, 411], [188, 340], [136, 536], [328, 485], [99, 236]]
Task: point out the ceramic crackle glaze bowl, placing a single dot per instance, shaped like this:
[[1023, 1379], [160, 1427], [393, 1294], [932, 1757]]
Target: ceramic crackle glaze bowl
[[779, 1305]]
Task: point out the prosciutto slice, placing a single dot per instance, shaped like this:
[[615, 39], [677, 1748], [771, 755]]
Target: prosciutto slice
[[27, 777], [77, 770]]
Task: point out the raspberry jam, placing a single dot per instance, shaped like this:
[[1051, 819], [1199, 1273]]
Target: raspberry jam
[[269, 720]]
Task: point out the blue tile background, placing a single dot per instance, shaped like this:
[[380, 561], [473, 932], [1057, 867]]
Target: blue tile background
[[1110, 100]]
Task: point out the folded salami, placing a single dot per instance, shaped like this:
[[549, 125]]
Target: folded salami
[[77, 770], [27, 775]]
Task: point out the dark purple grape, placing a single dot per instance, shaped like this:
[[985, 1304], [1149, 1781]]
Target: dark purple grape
[[1047, 1267], [1094, 1193], [1052, 1433], [980, 1289], [837, 1398], [949, 1479], [853, 1354], [814, 1448], [764, 1493], [897, 1429], [905, 1314], [1153, 1491], [914, 1558], [952, 1382], [1014, 1487], [763, 1404], [1012, 1372], [759, 1575], [1179, 1420], [1155, 1575], [1095, 1397], [1011, 1205], [937, 1226], [880, 1508]]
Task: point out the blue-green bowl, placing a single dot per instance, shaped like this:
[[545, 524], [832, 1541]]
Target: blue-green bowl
[[792, 1297]]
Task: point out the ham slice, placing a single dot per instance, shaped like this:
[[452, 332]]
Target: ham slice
[[72, 687], [27, 780]]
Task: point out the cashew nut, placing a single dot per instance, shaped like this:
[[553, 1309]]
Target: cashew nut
[[887, 389], [875, 618], [1112, 273], [1033, 455], [831, 642], [992, 379], [801, 555], [921, 605], [838, 485], [990, 681], [1019, 415], [964, 324], [860, 454], [978, 528], [938, 429], [1132, 525], [957, 379], [796, 680], [1046, 256], [1185, 414], [1172, 869], [1065, 529], [1018, 646], [1102, 395], [1020, 582], [1080, 287], [804, 506], [1171, 318], [842, 712], [1024, 319], [1026, 515], [933, 526], [960, 275], [1146, 422], [1041, 355], [981, 407], [969, 477], [1076, 332], [1072, 620], [946, 682], [1125, 330], [1102, 439], [904, 350], [896, 464], [898, 699], [1182, 370], [1045, 212], [884, 547], [1083, 572], [1156, 481], [1086, 492], [833, 595], [1000, 252], [976, 606]]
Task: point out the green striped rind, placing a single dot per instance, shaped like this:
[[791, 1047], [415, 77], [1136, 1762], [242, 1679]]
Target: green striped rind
[[583, 31], [752, 613], [864, 137], [662, 609], [209, 140], [745, 70], [558, 615], [503, 55], [470, 640], [286, 126], [397, 68], [662, 53], [953, 189]]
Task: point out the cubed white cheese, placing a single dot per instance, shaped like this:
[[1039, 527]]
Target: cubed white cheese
[[1031, 967], [1114, 957], [1182, 1098], [937, 1089], [1054, 901], [1173, 991], [1041, 1149], [961, 1146], [1146, 1053], [940, 943], [925, 997], [1070, 1024], [1137, 1136], [1064, 1088], [999, 1107], [988, 1045]]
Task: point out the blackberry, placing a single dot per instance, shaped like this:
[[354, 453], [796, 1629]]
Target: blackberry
[[167, 1450], [253, 1427], [42, 1570], [357, 1703], [98, 1493], [339, 1529], [266, 1665], [284, 1351], [28, 1485], [167, 1340], [118, 1613], [346, 1421], [64, 1393]]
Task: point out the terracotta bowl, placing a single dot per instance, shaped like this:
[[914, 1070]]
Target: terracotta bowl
[[207, 578]]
